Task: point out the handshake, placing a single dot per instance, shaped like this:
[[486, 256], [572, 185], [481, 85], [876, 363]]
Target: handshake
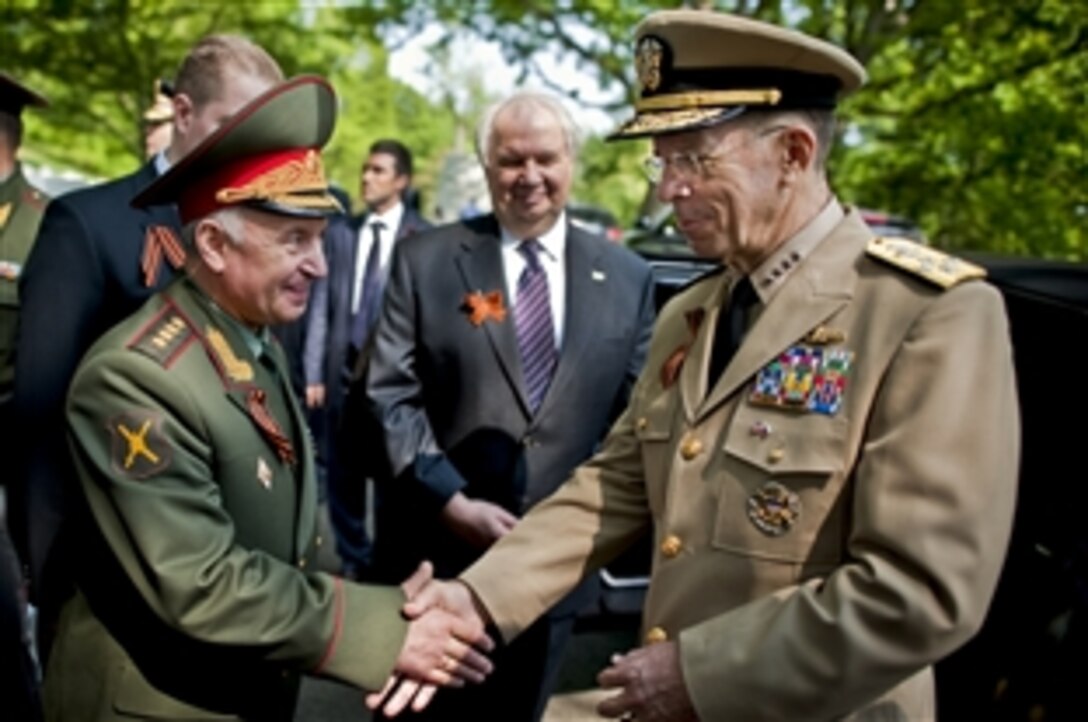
[[446, 644]]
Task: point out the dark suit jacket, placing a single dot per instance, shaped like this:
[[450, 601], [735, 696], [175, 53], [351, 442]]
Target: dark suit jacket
[[450, 396], [82, 277], [328, 334]]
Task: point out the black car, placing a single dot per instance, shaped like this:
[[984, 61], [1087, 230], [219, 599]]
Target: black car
[[1032, 652]]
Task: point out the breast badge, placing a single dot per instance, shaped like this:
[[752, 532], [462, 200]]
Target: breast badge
[[774, 509], [138, 448], [804, 378], [264, 473]]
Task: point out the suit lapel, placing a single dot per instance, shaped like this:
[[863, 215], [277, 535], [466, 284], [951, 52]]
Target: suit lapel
[[587, 288], [167, 216], [349, 238], [692, 380], [823, 285], [480, 264]]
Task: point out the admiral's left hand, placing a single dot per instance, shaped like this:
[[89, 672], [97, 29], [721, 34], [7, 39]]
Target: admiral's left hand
[[651, 683]]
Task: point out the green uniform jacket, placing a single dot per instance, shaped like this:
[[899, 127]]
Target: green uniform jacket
[[198, 536], [810, 564], [21, 209]]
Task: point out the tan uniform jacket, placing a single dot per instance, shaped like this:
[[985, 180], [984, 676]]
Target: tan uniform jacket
[[884, 524], [197, 593]]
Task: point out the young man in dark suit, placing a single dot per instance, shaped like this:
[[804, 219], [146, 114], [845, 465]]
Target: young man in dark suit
[[344, 309], [95, 261], [506, 346]]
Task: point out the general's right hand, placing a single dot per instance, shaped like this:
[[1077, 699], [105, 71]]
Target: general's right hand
[[458, 659], [478, 522]]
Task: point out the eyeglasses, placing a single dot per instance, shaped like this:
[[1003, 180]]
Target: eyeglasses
[[689, 165]]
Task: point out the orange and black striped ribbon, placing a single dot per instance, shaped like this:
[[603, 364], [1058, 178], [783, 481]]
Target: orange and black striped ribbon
[[258, 409], [160, 241]]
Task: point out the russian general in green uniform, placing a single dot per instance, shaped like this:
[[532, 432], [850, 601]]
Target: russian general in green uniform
[[197, 597]]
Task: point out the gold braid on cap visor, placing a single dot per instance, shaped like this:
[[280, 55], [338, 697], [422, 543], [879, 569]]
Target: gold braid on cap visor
[[709, 99], [300, 183]]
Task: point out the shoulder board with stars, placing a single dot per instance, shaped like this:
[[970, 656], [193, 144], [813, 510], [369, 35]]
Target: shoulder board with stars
[[934, 266], [164, 338]]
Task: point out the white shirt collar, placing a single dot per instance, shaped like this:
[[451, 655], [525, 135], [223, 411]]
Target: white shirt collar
[[390, 219], [162, 163], [554, 240]]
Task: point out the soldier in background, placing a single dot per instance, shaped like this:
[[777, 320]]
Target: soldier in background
[[21, 207], [159, 119]]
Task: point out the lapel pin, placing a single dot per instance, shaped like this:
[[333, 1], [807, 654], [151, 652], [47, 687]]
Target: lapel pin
[[760, 429], [597, 276], [825, 336], [264, 473]]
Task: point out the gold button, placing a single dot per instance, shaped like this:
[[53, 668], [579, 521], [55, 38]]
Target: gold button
[[691, 448], [302, 563], [776, 455], [642, 423], [318, 541], [671, 546], [655, 635]]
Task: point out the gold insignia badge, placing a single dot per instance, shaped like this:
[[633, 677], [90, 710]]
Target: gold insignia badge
[[774, 509], [824, 336], [648, 60], [264, 473], [234, 367], [139, 450]]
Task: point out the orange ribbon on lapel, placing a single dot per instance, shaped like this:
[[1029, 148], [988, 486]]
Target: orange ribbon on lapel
[[670, 370], [160, 241], [483, 306], [258, 409]]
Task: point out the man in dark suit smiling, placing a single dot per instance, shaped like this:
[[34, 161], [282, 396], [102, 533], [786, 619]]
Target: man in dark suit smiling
[[506, 346]]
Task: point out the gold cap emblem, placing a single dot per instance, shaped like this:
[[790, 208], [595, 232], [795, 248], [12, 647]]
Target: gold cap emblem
[[648, 60]]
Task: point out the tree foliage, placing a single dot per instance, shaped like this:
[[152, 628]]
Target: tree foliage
[[973, 122], [96, 60]]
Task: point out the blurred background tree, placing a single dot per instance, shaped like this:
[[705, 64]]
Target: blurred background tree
[[973, 124]]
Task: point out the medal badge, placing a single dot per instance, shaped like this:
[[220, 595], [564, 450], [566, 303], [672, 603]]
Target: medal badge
[[804, 378]]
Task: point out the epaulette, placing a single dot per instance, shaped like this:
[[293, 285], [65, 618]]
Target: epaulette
[[934, 266], [164, 338]]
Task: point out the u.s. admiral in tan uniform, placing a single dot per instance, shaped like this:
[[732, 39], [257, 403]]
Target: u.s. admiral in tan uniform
[[831, 502], [197, 593]]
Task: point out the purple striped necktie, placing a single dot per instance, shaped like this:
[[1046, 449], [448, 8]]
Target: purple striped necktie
[[533, 321]]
